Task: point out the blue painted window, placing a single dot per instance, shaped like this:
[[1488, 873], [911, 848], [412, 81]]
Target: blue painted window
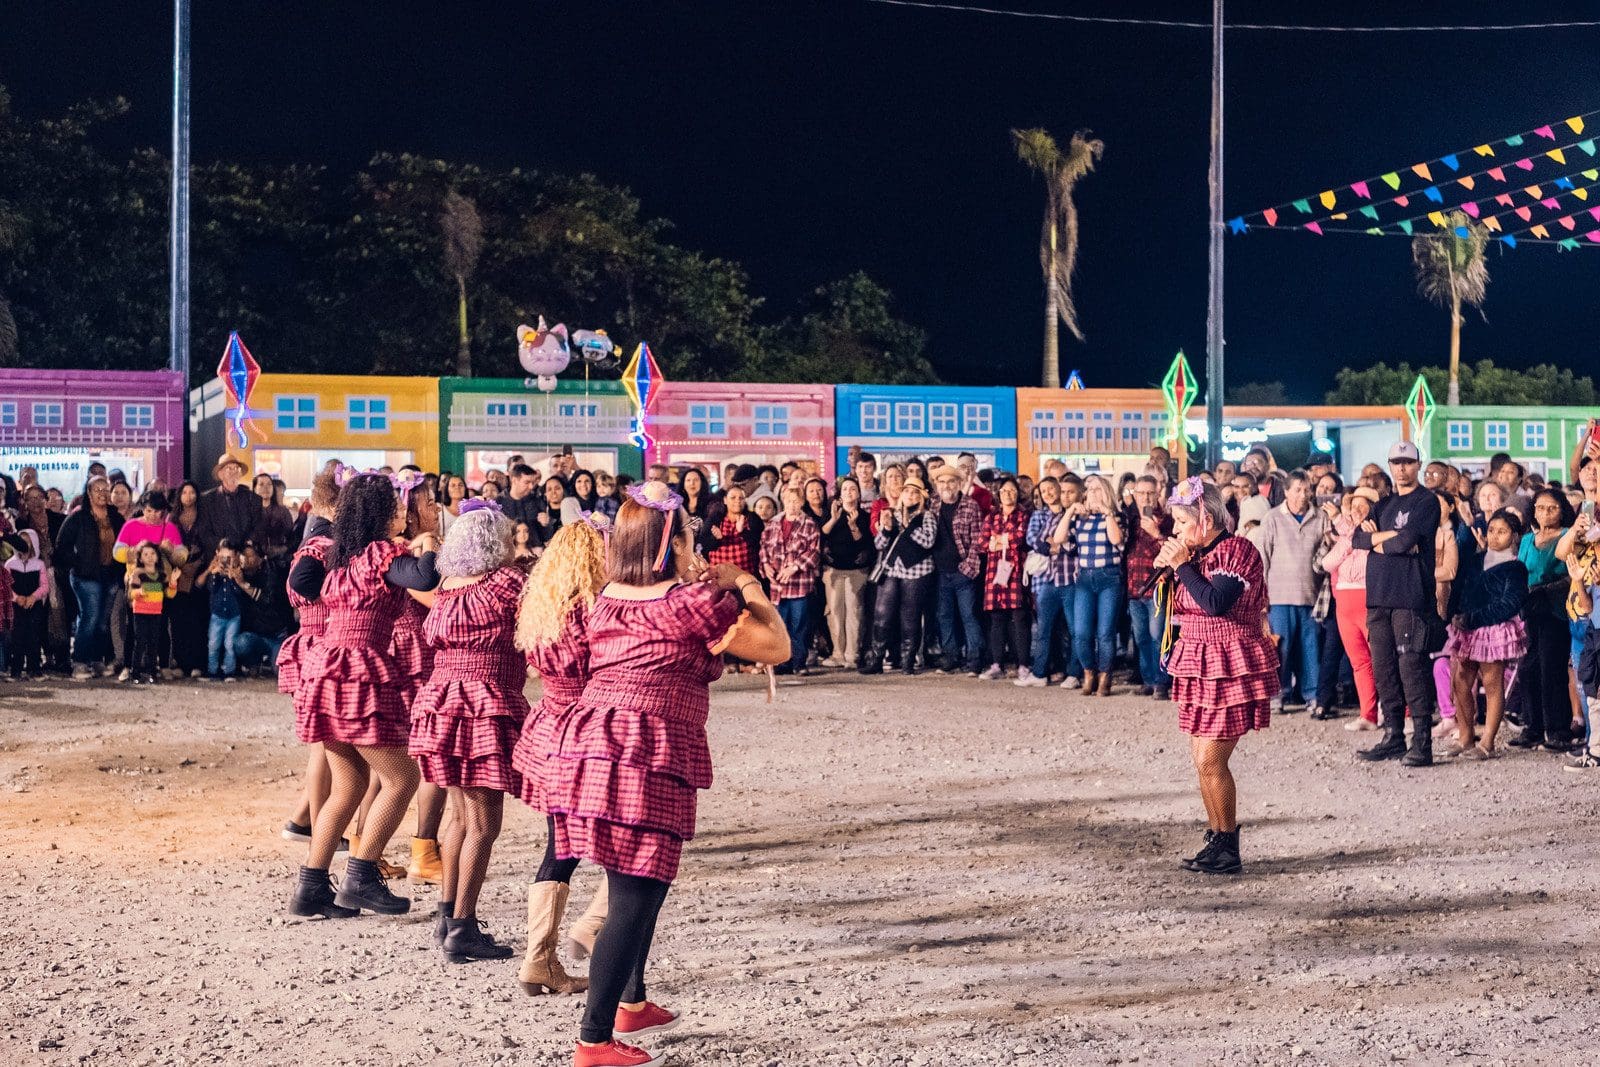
[[708, 420], [1497, 436], [8, 413], [94, 416], [942, 419], [1459, 435], [1534, 437], [874, 416], [138, 416], [770, 420], [295, 413], [47, 414], [908, 418], [979, 418], [368, 414]]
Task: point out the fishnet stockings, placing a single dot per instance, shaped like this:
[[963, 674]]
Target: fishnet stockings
[[1216, 781], [397, 777], [469, 839]]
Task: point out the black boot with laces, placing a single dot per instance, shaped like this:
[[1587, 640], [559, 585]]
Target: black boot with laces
[[1188, 862], [364, 889], [465, 941], [314, 896], [1224, 855]]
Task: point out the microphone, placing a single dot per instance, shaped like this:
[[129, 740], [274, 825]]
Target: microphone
[[1150, 582]]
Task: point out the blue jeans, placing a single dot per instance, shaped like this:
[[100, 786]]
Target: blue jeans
[[256, 650], [91, 642], [220, 638], [1298, 646], [1094, 617], [1051, 604], [1145, 615], [796, 615], [957, 592]]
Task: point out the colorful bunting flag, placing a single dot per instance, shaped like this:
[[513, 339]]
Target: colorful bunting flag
[[1550, 202], [1327, 199], [1569, 244], [1563, 183], [1525, 164], [1271, 216], [1392, 180], [1437, 218], [1511, 242], [1466, 182], [1450, 161], [1484, 150], [1514, 141], [1546, 132], [1360, 189], [1525, 213], [1237, 225], [1432, 193], [1497, 174], [1370, 212], [1593, 235], [1581, 194], [1421, 170], [1557, 155], [1303, 206], [1315, 228], [1591, 174], [1402, 201], [1504, 199], [1491, 223], [1471, 208], [1575, 124], [1587, 146], [1533, 190], [1405, 224], [1568, 222], [1540, 232], [1461, 231]]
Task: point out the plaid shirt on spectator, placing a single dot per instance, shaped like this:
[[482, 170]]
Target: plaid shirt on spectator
[[967, 527], [1092, 536], [924, 530], [801, 547], [1141, 548], [1006, 596], [1063, 567]]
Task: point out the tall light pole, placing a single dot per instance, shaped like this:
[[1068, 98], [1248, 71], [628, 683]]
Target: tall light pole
[[1214, 374], [178, 296]]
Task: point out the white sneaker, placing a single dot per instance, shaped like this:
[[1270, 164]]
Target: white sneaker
[[124, 675], [197, 673], [81, 672], [1072, 683], [992, 673], [1360, 725], [1026, 679]]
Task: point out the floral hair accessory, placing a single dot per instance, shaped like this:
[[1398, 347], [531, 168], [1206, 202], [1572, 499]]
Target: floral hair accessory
[[479, 503], [598, 522], [1188, 493], [403, 482], [658, 496]]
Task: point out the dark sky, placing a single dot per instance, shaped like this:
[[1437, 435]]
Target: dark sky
[[808, 139]]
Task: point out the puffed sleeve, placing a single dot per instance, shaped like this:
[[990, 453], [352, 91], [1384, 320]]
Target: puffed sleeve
[[703, 612]]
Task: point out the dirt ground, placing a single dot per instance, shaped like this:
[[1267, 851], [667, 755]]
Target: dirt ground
[[889, 871]]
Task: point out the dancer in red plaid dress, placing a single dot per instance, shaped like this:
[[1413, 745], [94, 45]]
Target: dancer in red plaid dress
[[1005, 536], [466, 717], [306, 571], [414, 655], [620, 777], [352, 703], [1223, 667]]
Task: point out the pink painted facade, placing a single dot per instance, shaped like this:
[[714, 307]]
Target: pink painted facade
[[58, 421], [713, 423]]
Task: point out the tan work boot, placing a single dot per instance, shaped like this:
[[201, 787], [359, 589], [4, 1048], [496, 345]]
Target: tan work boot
[[426, 866], [541, 971], [388, 870], [580, 939]]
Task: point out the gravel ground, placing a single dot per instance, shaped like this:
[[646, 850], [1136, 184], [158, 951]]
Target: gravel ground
[[889, 871]]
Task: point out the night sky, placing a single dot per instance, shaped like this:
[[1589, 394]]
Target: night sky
[[809, 139]]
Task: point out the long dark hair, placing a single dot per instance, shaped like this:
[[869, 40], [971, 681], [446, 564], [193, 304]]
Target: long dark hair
[[365, 513]]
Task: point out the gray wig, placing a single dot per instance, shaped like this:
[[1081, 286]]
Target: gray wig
[[478, 542]]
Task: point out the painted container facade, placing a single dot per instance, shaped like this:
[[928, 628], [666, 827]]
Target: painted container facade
[[59, 421], [1101, 430], [897, 422], [303, 420], [483, 421], [1542, 439], [709, 424]]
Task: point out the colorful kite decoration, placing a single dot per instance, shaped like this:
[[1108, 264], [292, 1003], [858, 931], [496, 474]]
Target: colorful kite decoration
[[238, 371], [1541, 186], [1419, 411], [642, 379], [1178, 388], [1074, 381]]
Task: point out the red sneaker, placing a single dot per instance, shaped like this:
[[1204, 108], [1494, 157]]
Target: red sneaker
[[650, 1019], [614, 1054]]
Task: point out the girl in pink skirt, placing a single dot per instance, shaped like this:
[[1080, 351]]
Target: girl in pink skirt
[[351, 702], [306, 571], [414, 655], [1486, 632], [621, 775], [466, 717], [1223, 667]]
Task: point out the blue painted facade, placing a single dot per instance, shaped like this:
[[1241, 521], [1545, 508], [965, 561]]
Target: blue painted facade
[[895, 422]]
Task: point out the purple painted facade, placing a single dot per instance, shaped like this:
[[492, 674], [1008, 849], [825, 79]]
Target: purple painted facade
[[59, 420]]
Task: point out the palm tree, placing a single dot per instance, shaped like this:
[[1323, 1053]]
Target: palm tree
[[1451, 271], [1058, 237], [463, 245]]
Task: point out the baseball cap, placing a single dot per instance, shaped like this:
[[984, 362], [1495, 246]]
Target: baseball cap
[[1404, 450]]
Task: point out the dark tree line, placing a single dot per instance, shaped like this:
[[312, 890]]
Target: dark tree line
[[324, 272]]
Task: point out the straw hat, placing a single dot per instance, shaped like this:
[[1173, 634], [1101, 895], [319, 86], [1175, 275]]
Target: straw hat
[[225, 459], [913, 482]]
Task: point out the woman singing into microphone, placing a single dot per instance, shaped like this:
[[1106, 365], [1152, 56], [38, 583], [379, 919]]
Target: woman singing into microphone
[[1224, 669]]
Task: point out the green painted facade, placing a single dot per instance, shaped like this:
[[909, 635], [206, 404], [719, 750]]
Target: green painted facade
[[1542, 439], [481, 420]]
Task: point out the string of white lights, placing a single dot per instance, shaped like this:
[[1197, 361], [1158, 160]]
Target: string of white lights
[[1107, 20]]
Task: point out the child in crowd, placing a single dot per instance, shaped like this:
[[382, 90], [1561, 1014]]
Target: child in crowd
[[765, 507], [221, 581], [605, 492], [150, 582], [30, 596], [1580, 548], [1487, 633]]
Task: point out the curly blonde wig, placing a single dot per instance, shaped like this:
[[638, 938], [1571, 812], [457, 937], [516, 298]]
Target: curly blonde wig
[[572, 571]]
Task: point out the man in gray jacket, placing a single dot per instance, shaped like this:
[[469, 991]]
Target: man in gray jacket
[[1288, 537]]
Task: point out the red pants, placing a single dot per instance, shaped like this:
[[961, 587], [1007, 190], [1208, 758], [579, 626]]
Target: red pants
[[1350, 606]]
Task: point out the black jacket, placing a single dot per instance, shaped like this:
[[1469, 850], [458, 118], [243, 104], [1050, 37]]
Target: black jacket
[[78, 546]]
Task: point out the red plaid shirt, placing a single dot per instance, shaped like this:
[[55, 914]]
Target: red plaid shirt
[[1007, 596], [1139, 550], [967, 527], [800, 546]]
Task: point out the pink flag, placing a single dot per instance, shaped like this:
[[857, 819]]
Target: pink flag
[[1546, 132], [1549, 202], [1360, 189], [1568, 223], [1525, 164], [1271, 215], [1497, 174], [1593, 235], [1470, 208], [1504, 199], [1315, 227], [1525, 213], [1594, 213], [1402, 200]]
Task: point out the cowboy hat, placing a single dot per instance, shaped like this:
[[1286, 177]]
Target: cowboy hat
[[913, 482], [227, 458]]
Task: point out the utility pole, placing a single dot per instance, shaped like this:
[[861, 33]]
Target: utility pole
[[178, 296], [1215, 385]]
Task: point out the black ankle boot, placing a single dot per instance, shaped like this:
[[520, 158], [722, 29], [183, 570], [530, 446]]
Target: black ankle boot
[[1224, 855], [1393, 746], [1420, 754], [447, 910], [314, 895], [908, 657], [872, 662], [1188, 862], [364, 889], [466, 941]]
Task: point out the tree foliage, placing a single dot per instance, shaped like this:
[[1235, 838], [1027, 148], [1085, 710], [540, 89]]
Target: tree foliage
[[359, 273], [1258, 394], [1481, 383]]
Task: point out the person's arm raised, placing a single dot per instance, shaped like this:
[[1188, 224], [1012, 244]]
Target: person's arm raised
[[761, 635]]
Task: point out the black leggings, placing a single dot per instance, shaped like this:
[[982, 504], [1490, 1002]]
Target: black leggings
[[616, 973], [550, 868], [1015, 620]]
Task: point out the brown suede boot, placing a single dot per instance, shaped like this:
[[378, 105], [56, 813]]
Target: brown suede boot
[[1105, 684], [1090, 681], [426, 866], [541, 971], [580, 939]]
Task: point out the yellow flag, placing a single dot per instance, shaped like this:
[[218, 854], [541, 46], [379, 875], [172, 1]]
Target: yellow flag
[[1491, 223], [1466, 182], [1557, 155], [1437, 218], [1421, 171], [1327, 198], [1484, 150], [1340, 217], [1575, 124], [1581, 194], [1539, 231]]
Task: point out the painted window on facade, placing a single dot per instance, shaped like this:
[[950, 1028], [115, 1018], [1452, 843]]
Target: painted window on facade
[[770, 420], [572, 411], [1497, 436], [942, 419], [874, 416], [47, 414], [708, 420], [367, 414], [1534, 437], [94, 416], [8, 412], [138, 416], [908, 418], [979, 418], [295, 412], [1458, 435]]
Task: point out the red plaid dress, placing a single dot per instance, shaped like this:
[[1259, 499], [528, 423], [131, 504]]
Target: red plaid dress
[[411, 649], [732, 546], [1224, 669], [313, 615], [1006, 597], [466, 717], [621, 773], [350, 683], [563, 669]]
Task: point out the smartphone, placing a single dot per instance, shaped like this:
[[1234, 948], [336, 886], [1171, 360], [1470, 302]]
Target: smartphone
[[1327, 498], [1148, 511]]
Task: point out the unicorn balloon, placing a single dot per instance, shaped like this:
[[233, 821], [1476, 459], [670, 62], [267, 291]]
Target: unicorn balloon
[[544, 353]]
